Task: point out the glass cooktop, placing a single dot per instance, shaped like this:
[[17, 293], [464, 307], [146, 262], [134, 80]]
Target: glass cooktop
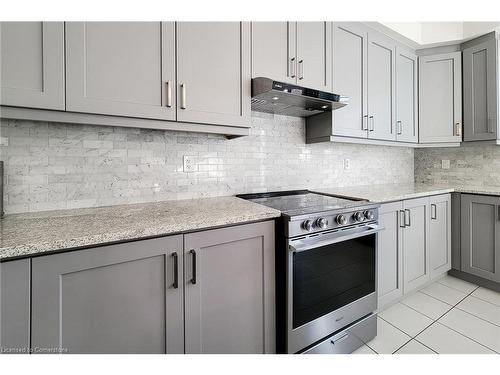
[[302, 202]]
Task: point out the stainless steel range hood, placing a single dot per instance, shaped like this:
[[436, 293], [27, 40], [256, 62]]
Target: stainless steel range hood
[[285, 99]]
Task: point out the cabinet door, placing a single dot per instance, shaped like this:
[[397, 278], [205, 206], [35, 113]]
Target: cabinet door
[[440, 234], [121, 68], [314, 55], [32, 64], [15, 294], [213, 73], [416, 244], [480, 91], [440, 98], [229, 290], [273, 51], [480, 229], [111, 299], [390, 254], [381, 87], [406, 96], [350, 41]]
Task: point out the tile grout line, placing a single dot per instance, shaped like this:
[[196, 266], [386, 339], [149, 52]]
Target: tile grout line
[[430, 317]]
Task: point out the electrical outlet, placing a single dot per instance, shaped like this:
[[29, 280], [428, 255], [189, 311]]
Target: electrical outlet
[[445, 164], [189, 165], [347, 163]]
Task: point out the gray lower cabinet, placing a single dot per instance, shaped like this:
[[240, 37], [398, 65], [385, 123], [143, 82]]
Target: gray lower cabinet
[[440, 98], [274, 51], [480, 94], [406, 95], [213, 73], [415, 243], [32, 64], [390, 253], [381, 87], [439, 234], [350, 44], [121, 68], [480, 229], [15, 301], [112, 299], [229, 290]]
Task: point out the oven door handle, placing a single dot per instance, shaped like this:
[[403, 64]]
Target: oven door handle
[[335, 237]]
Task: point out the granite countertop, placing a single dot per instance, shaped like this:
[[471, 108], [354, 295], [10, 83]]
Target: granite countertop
[[35, 233], [395, 192]]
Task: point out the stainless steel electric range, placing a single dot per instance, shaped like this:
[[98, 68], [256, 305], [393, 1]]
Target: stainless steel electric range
[[326, 267]]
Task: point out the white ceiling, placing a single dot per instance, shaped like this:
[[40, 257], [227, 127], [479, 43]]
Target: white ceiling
[[425, 33]]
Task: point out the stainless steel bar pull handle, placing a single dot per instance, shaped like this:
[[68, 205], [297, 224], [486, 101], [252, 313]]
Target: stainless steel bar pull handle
[[372, 123], [293, 74], [433, 211], [364, 123], [193, 278], [399, 127], [458, 129], [338, 340], [407, 224], [402, 219], [169, 94], [176, 270], [301, 69], [183, 96]]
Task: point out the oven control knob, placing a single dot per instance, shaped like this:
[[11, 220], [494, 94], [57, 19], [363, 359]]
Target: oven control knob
[[322, 223], [307, 225], [359, 216], [369, 215], [341, 220]]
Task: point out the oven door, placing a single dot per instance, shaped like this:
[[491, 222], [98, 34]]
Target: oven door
[[331, 282]]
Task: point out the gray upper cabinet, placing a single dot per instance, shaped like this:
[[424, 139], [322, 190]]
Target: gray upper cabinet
[[213, 73], [406, 95], [390, 254], [32, 64], [314, 55], [381, 87], [440, 98], [415, 243], [480, 91], [114, 299], [350, 43], [274, 51], [229, 290], [121, 68], [439, 234], [480, 236], [15, 306]]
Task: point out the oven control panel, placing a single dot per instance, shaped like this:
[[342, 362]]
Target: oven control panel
[[327, 221]]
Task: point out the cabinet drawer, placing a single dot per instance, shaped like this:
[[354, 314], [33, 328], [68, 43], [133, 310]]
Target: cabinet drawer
[[348, 340]]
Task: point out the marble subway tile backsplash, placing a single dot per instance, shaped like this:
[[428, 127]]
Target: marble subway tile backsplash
[[470, 164], [57, 166]]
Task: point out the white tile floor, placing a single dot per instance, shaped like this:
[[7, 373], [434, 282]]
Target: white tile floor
[[449, 316]]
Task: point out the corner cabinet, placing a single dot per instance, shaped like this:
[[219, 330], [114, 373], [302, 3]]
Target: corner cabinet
[[32, 64], [121, 68], [213, 73], [480, 231], [480, 78], [440, 98]]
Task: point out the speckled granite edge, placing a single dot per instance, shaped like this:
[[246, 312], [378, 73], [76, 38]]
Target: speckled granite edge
[[24, 235]]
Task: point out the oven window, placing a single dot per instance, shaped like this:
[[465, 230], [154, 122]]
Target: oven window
[[329, 277]]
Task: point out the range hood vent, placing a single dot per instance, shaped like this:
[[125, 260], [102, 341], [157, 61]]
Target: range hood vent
[[281, 98]]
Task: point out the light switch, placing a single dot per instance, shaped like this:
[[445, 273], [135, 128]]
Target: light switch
[[445, 164], [347, 163]]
